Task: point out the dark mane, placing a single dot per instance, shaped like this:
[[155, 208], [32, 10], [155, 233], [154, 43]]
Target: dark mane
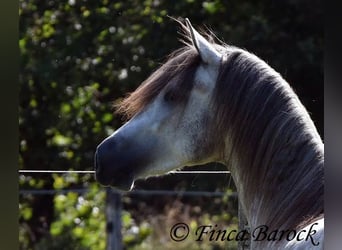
[[273, 138], [175, 76]]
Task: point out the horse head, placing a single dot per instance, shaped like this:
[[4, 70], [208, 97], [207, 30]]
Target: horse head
[[168, 115]]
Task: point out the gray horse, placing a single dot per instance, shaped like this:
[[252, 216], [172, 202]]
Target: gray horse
[[217, 103]]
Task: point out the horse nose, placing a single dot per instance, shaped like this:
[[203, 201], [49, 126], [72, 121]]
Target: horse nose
[[100, 175], [104, 159], [112, 164], [97, 167]]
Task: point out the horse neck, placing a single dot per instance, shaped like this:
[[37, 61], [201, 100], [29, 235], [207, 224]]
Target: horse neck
[[281, 185]]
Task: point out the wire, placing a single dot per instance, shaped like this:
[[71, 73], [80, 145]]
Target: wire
[[133, 192], [93, 172], [58, 171], [199, 172]]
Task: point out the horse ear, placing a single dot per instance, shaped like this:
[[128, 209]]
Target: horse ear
[[207, 52]]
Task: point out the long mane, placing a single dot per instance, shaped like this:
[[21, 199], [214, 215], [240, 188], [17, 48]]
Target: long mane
[[278, 149], [273, 139]]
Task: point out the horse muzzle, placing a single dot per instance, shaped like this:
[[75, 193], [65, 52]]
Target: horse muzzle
[[114, 164], [123, 181]]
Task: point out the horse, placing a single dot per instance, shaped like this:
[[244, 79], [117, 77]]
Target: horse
[[213, 102]]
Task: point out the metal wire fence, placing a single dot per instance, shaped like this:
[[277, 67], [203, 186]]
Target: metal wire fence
[[114, 198]]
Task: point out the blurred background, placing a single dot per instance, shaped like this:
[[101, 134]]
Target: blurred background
[[78, 57]]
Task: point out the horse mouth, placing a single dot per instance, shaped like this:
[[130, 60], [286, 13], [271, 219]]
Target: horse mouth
[[123, 183], [118, 180]]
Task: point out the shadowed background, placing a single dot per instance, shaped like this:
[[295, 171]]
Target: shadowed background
[[78, 57]]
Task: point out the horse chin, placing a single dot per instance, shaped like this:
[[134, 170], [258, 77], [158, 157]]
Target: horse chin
[[123, 185]]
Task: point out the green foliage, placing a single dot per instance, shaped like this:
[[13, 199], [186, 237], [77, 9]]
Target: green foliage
[[78, 57], [79, 223], [194, 216]]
